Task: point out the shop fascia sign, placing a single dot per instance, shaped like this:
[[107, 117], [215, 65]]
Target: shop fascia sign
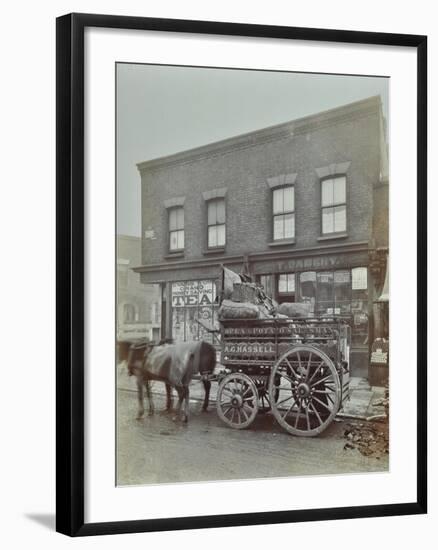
[[316, 262]]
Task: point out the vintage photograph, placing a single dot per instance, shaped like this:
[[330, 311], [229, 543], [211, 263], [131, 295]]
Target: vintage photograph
[[252, 279]]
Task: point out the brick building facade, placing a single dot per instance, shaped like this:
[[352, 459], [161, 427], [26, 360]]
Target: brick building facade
[[303, 206]]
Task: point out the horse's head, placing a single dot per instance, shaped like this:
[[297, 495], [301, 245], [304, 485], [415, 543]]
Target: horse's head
[[138, 351]]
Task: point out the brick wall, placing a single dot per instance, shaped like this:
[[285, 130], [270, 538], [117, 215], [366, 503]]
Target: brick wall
[[244, 164]]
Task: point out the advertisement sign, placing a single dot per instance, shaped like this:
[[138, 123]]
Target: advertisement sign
[[193, 293]]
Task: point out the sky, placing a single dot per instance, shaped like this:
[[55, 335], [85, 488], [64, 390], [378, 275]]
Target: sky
[[167, 109]]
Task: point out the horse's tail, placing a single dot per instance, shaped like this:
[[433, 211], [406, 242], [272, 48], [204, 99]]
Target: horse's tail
[[197, 357], [205, 358]]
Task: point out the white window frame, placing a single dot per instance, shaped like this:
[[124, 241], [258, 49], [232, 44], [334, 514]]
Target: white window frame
[[216, 224], [180, 231], [334, 204], [283, 213]]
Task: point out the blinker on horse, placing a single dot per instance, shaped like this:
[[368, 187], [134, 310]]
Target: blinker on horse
[[175, 365]]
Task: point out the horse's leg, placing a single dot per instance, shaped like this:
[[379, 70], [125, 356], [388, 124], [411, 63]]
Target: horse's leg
[[185, 414], [207, 386], [180, 391], [140, 398], [149, 394], [168, 397]]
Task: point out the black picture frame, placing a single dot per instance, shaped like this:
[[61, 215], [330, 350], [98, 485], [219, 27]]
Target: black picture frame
[[70, 272]]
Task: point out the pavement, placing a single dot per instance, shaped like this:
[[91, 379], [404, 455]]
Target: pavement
[[362, 405], [364, 399]]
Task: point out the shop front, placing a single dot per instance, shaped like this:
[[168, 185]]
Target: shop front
[[330, 285]]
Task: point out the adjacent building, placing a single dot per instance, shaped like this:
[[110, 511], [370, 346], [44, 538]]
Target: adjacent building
[[301, 206], [138, 305]]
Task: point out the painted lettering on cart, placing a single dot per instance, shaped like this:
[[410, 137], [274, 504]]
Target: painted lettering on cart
[[292, 330], [234, 347]]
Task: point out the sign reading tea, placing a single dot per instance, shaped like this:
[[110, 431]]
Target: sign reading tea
[[193, 293]]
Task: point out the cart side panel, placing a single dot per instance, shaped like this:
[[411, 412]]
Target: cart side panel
[[250, 343]]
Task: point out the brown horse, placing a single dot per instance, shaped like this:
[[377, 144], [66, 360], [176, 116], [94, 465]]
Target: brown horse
[[175, 365]]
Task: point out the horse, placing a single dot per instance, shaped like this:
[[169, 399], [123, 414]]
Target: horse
[[175, 365]]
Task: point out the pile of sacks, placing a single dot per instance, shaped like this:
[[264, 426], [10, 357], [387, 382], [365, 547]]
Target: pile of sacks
[[242, 299], [248, 310], [245, 300]]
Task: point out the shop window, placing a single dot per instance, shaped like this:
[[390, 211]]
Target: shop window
[[359, 305], [216, 223], [283, 211], [342, 292], [325, 292], [286, 287], [129, 313], [307, 289], [334, 205], [155, 313], [359, 278], [286, 283], [268, 285], [334, 293], [176, 229]]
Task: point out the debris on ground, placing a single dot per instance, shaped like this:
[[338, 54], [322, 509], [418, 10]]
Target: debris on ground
[[369, 438]]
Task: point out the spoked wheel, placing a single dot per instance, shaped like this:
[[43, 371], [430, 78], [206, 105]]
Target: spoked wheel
[[264, 403], [264, 400], [308, 389], [237, 400]]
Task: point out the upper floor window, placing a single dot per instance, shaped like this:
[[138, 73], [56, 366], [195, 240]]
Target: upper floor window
[[334, 205], [283, 210], [216, 222], [176, 228]]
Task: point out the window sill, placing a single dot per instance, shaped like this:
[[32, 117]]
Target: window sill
[[216, 250], [172, 255], [283, 242], [331, 236]]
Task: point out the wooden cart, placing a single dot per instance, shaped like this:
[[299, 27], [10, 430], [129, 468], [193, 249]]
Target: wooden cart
[[297, 368]]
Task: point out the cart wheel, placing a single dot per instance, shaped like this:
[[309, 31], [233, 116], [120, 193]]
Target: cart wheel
[[308, 389], [264, 400], [264, 403], [237, 400]]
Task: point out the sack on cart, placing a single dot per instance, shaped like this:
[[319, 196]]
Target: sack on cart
[[295, 309], [238, 310]]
